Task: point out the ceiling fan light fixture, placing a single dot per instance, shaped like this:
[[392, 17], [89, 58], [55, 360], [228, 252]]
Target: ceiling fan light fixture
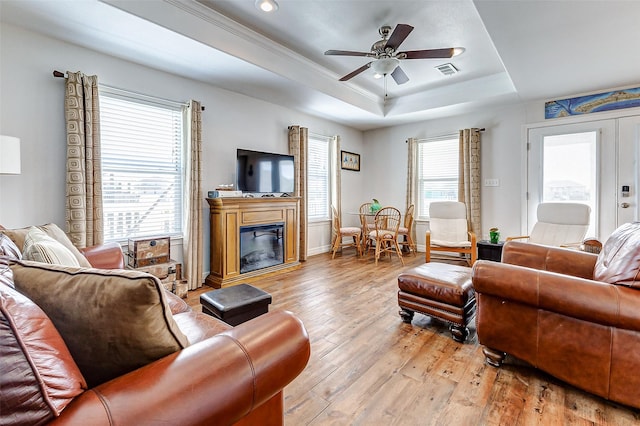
[[458, 51], [377, 76], [267, 5], [384, 66]]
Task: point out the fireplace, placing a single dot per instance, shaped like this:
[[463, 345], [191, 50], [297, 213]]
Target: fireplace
[[261, 246], [227, 215]]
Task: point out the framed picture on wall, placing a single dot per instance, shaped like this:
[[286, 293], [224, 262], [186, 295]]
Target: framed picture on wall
[[350, 161]]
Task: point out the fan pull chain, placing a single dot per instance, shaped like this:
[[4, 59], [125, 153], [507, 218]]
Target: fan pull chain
[[385, 88]]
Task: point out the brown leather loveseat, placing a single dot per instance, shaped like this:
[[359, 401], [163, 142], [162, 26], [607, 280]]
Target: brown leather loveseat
[[573, 314], [222, 375]]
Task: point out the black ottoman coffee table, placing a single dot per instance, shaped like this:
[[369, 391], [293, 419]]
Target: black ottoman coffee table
[[236, 304]]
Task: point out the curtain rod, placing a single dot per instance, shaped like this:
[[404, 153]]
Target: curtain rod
[[444, 136], [59, 74]]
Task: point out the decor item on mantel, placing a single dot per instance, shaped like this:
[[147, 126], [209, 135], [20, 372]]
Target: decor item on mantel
[[375, 206]]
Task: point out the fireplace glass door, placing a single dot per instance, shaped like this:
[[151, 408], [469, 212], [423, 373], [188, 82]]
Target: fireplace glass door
[[261, 246]]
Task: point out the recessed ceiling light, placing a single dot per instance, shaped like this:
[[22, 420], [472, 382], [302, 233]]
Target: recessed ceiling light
[[267, 5]]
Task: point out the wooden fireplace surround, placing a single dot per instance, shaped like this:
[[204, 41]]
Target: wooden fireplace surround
[[228, 215]]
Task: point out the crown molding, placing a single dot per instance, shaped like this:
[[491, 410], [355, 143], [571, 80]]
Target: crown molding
[[200, 23]]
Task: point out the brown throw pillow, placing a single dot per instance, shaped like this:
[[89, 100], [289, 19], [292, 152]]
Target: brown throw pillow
[[51, 229], [619, 259], [112, 321], [38, 376]]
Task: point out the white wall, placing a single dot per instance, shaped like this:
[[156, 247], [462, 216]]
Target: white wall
[[32, 108], [501, 153]]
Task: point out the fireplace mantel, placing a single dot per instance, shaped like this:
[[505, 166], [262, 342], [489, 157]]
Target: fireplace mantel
[[228, 215]]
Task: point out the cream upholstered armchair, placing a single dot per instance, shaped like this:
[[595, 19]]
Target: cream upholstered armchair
[[559, 224], [449, 230]]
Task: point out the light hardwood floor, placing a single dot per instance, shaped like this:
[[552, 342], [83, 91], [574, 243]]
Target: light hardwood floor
[[367, 367]]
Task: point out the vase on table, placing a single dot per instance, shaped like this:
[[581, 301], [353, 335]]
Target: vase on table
[[494, 235], [375, 206]]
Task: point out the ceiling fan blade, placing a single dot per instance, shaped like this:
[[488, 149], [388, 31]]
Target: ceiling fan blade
[[428, 54], [346, 53], [398, 35], [356, 72], [399, 76]]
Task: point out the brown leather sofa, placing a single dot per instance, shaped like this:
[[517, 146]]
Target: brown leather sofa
[[573, 314], [225, 376]]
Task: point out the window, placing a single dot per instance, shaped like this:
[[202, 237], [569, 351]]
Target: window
[[318, 178], [437, 172], [569, 165], [142, 165]]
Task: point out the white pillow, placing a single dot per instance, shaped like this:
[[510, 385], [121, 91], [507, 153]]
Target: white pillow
[[40, 247], [52, 230]]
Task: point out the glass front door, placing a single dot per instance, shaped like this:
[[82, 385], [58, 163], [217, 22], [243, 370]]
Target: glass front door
[[574, 163]]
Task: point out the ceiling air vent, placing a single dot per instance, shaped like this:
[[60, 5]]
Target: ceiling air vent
[[447, 69]]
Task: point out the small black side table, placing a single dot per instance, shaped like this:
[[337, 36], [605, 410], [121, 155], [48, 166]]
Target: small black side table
[[236, 304], [489, 251]]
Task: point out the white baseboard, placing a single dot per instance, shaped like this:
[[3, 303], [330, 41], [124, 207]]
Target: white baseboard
[[319, 250]]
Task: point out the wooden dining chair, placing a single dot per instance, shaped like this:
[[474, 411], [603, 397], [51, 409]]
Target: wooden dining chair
[[385, 234], [406, 231], [341, 232], [367, 224]]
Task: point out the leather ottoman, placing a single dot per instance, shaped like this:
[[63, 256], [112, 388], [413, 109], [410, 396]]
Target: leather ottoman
[[236, 304], [441, 291]]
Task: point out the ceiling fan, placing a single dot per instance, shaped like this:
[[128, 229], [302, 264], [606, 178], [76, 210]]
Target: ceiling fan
[[387, 58]]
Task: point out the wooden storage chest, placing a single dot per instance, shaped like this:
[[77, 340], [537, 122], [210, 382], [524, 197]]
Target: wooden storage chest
[[169, 274], [148, 251]]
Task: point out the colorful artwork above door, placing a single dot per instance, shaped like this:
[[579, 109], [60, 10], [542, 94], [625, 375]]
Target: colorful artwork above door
[[617, 99]]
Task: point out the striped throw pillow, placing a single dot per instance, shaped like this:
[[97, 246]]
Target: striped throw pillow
[[39, 247]]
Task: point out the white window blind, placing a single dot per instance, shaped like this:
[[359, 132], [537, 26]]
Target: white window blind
[[437, 172], [142, 165], [318, 178]]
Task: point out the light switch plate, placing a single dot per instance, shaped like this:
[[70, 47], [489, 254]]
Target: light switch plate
[[492, 182]]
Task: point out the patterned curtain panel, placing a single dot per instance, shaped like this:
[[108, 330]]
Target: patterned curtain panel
[[336, 178], [298, 142], [84, 221], [412, 155], [336, 175], [469, 178], [192, 244]]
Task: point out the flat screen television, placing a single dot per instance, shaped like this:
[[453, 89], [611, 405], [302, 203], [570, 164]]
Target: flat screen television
[[264, 172]]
